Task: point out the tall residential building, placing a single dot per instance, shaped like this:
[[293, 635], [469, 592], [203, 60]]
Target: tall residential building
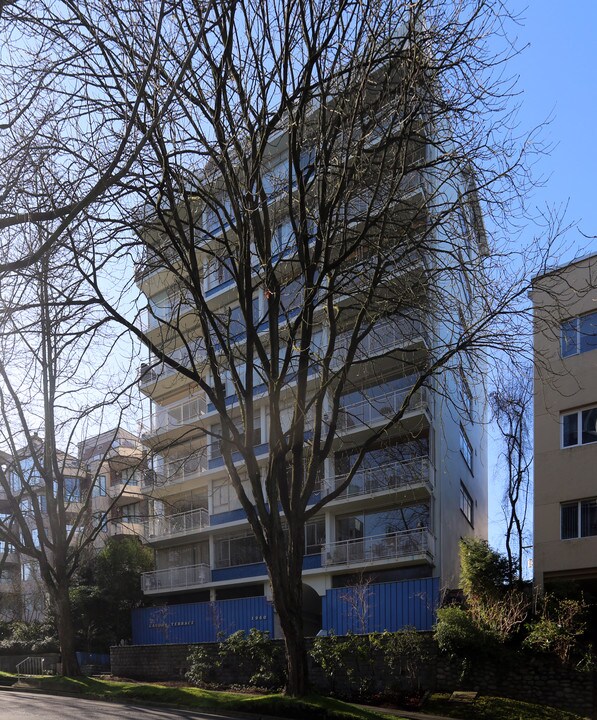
[[565, 492], [421, 486]]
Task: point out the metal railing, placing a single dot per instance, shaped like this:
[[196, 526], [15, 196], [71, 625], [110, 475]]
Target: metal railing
[[179, 523], [405, 544], [376, 408], [31, 666], [176, 577], [396, 475]]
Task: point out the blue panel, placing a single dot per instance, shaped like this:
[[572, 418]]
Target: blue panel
[[385, 606], [217, 288], [238, 571], [312, 561], [226, 517], [200, 622]]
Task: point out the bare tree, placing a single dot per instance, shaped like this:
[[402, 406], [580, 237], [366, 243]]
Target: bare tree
[[50, 353], [331, 163], [512, 407]]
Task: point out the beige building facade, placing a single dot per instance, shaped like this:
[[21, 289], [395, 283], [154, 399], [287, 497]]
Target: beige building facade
[[565, 432]]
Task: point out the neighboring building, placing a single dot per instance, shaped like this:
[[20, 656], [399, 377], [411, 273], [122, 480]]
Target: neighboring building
[[116, 463], [565, 458], [112, 467], [399, 521]]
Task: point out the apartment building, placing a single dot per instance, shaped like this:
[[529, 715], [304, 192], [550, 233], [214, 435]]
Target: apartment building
[[421, 486], [117, 469], [565, 434], [102, 489]]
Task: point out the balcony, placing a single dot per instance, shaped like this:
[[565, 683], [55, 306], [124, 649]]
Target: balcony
[[184, 523], [395, 476], [180, 469], [153, 371], [125, 492], [379, 408], [151, 262], [125, 527], [176, 578], [407, 545], [177, 415], [385, 335]]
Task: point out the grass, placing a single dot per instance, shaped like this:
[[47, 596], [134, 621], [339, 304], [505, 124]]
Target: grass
[[312, 707], [491, 708]]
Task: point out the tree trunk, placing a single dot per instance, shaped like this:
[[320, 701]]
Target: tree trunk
[[66, 635], [286, 576]]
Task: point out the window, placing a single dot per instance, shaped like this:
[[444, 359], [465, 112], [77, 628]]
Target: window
[[314, 536], [466, 503], [578, 519], [100, 489], [466, 449], [578, 335], [131, 513], [72, 489], [466, 394], [579, 428]]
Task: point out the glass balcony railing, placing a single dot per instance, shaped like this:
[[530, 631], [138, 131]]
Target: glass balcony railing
[[375, 408], [399, 475], [178, 414], [179, 524], [385, 335], [175, 578], [403, 545]]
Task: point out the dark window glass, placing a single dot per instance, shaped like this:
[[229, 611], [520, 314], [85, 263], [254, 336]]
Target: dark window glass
[[589, 426], [569, 337], [588, 332], [570, 430], [569, 520], [588, 518]]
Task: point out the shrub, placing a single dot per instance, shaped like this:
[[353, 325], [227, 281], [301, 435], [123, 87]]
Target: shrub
[[559, 629], [405, 653], [351, 659], [255, 653], [458, 635], [203, 667]]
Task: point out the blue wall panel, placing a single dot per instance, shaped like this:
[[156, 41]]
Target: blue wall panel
[[200, 622], [238, 571], [384, 606]]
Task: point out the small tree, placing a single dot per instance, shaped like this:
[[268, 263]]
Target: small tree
[[511, 404], [106, 589]]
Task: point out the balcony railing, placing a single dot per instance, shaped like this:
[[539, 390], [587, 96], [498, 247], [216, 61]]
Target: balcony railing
[[384, 336], [151, 372], [379, 408], [117, 490], [175, 578], [126, 527], [179, 523], [181, 469], [178, 414], [392, 476], [403, 545]]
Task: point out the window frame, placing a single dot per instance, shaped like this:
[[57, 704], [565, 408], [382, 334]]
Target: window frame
[[572, 334], [579, 433], [581, 523], [466, 448], [467, 505]]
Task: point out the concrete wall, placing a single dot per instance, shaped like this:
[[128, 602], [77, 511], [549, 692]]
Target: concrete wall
[[526, 677]]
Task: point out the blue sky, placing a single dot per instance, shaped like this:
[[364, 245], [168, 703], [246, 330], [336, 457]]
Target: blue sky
[[558, 81]]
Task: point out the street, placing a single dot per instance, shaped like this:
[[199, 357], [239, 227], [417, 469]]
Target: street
[[31, 706]]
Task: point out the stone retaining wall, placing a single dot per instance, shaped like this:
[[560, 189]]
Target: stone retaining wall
[[531, 678]]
